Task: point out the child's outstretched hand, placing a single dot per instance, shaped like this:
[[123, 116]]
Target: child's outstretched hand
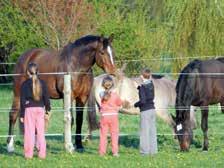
[[22, 120], [126, 104]]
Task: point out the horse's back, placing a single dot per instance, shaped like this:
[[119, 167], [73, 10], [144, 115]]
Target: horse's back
[[211, 83], [36, 55], [205, 85], [44, 59], [165, 93]]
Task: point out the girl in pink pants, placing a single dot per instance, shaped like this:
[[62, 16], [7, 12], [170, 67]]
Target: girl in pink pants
[[34, 120], [110, 105], [35, 104]]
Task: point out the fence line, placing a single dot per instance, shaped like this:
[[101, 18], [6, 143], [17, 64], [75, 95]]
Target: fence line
[[159, 73], [164, 59], [4, 84], [120, 134], [7, 63], [60, 109], [149, 59]]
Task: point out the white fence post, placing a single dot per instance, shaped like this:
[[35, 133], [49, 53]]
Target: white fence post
[[67, 114]]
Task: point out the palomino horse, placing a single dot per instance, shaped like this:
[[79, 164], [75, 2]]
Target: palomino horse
[[76, 58], [165, 95], [201, 83]]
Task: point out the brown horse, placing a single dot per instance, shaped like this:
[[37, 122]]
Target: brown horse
[[201, 83], [76, 58]]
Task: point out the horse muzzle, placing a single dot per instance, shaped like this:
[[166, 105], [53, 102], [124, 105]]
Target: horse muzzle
[[184, 146], [111, 71]]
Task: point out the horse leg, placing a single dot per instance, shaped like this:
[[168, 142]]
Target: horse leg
[[204, 126], [192, 117], [91, 114], [79, 121], [12, 121], [222, 106]]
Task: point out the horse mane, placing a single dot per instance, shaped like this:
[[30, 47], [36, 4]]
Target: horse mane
[[221, 59], [66, 52], [85, 40], [157, 76], [185, 88]]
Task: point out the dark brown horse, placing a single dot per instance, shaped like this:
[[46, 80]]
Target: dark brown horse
[[77, 58], [201, 83]]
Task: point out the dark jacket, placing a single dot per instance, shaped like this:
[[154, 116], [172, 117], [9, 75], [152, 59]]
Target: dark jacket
[[146, 96], [26, 97]]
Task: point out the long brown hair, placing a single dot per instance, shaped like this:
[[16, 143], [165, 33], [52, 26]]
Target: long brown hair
[[107, 84], [32, 71]]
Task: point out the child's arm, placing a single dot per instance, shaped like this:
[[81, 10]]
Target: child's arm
[[141, 97], [118, 101]]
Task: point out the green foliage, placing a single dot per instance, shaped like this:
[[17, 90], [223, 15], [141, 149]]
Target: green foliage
[[146, 31], [129, 23], [196, 28], [16, 34], [153, 30]]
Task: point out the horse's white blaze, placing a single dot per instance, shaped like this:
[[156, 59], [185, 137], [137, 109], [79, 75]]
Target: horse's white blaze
[[10, 145], [179, 127], [109, 50]]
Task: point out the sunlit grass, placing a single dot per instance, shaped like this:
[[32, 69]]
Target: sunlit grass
[[168, 156]]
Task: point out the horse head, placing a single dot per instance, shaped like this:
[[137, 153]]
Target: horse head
[[105, 55], [184, 133]]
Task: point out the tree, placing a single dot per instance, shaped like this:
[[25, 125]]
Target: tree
[[16, 36], [60, 21]]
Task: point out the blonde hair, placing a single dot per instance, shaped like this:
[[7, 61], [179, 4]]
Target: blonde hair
[[32, 70]]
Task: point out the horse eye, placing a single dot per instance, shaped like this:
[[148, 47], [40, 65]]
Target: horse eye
[[102, 52]]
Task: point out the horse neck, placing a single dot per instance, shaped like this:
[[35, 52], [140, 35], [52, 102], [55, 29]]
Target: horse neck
[[182, 110], [82, 58]]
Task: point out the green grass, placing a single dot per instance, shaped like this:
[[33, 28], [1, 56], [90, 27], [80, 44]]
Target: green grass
[[168, 155]]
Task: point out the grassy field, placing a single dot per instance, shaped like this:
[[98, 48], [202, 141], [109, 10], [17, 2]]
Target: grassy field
[[168, 156]]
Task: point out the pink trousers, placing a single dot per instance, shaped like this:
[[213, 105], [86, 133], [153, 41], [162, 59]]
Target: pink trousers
[[34, 122], [109, 123]]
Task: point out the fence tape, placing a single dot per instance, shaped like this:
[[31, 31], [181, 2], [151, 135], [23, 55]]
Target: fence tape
[[156, 58], [159, 73], [61, 109]]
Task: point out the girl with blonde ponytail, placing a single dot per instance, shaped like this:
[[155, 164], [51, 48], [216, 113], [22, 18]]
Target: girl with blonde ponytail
[[32, 71], [35, 105]]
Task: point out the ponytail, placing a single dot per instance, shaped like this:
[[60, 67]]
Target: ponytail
[[37, 89]]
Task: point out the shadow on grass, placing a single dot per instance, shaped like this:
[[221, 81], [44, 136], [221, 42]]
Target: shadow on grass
[[129, 141], [4, 151], [133, 141]]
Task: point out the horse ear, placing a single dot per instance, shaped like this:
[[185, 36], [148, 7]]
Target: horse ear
[[110, 39]]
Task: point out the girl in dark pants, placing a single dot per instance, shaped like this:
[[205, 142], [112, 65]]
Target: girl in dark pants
[[148, 138], [35, 104]]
